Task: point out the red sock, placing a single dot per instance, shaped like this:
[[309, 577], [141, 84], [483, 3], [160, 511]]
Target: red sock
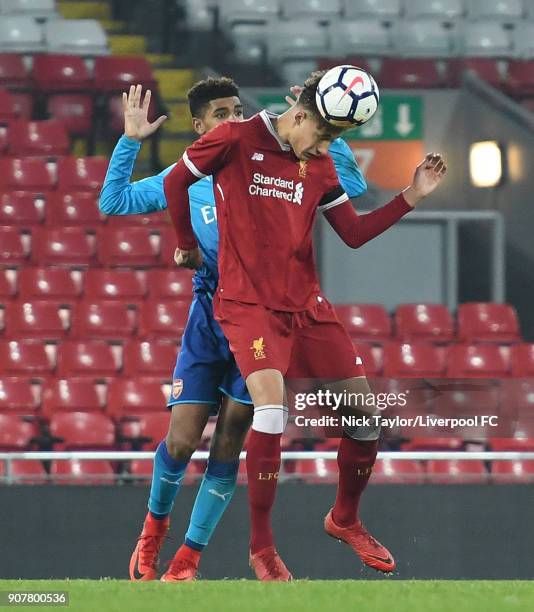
[[263, 465], [355, 460]]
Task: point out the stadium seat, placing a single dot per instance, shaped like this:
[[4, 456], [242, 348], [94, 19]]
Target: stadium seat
[[18, 396], [517, 397], [8, 285], [524, 39], [20, 34], [445, 10], [414, 360], [23, 104], [135, 396], [8, 110], [15, 433], [477, 361], [249, 42], [169, 285], [523, 360], [71, 246], [317, 471], [81, 472], [82, 430], [156, 220], [38, 9], [141, 469], [13, 72], [38, 138], [378, 9], [54, 73], [123, 285], [362, 37], [84, 37], [70, 395], [13, 250], [135, 246], [3, 139], [296, 71], [456, 472], [433, 444], [512, 444], [29, 320], [106, 320], [407, 73], [485, 68], [75, 111], [508, 11], [234, 11], [25, 174], [117, 73], [397, 471], [54, 284], [432, 322], [25, 358], [311, 9], [484, 39], [146, 430], [422, 38], [488, 322], [372, 358], [18, 208], [163, 319], [503, 472], [520, 81], [73, 208], [93, 359], [150, 359], [284, 41], [25, 472], [369, 322]]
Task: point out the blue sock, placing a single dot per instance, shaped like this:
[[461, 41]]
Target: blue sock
[[166, 481], [213, 497]]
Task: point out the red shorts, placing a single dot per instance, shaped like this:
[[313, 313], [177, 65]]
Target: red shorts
[[309, 344]]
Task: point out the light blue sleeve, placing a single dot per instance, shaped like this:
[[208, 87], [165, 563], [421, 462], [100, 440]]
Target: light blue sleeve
[[120, 197], [349, 174]]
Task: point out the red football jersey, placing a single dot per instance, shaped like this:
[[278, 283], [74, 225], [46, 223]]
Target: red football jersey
[[266, 205]]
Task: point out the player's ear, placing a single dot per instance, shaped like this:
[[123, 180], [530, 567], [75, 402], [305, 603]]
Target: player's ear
[[300, 116], [198, 126]]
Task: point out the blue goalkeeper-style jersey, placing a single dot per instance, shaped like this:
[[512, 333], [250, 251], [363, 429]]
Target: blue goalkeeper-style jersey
[[120, 197]]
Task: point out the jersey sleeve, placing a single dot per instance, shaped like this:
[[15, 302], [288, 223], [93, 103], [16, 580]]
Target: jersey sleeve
[[209, 153], [349, 174], [333, 194]]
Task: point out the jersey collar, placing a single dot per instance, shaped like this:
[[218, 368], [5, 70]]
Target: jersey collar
[[266, 117]]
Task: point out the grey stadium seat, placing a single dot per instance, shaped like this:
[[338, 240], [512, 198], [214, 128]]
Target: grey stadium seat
[[503, 10], [445, 10], [314, 9], [20, 35], [234, 11], [249, 42], [378, 9], [484, 39], [524, 40], [422, 38], [302, 40], [45, 9], [77, 36], [362, 37], [297, 71], [199, 15]]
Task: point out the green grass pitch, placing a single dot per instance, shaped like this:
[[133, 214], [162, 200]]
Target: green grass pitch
[[300, 595]]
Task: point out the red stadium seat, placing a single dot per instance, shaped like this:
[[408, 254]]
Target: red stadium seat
[[141, 469], [23, 174], [8, 109], [513, 472], [317, 471], [82, 430], [156, 220], [363, 63], [137, 396], [372, 358], [414, 360], [93, 359], [71, 395], [18, 208], [523, 360], [146, 430], [53, 73], [82, 472], [25, 472], [365, 321], [38, 138], [35, 320], [433, 444], [82, 173], [102, 320], [135, 246], [512, 444], [125, 285], [482, 321], [477, 361], [169, 284], [18, 396], [75, 111], [4, 140], [55, 284], [73, 208], [163, 319], [431, 322], [13, 249], [115, 73], [23, 105], [70, 246], [150, 359], [397, 471], [13, 72], [520, 80], [8, 285], [410, 72], [484, 68], [15, 433], [25, 358], [456, 472]]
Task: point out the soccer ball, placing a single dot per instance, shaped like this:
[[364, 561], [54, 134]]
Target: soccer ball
[[347, 96]]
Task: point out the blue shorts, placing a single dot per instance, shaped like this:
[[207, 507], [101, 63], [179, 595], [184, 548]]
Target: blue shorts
[[205, 368]]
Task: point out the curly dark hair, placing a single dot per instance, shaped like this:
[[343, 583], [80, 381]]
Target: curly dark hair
[[307, 101], [203, 92]]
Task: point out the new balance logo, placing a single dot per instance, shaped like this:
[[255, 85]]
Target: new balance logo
[[257, 157], [299, 192], [223, 496]]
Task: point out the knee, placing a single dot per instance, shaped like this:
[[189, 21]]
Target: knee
[[179, 447]]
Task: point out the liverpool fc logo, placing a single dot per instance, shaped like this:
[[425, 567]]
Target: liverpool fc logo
[[259, 348], [303, 169]]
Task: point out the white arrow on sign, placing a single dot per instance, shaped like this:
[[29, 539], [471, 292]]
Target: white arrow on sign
[[404, 125]]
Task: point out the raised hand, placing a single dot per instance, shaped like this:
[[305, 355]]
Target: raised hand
[[136, 123], [427, 177]]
